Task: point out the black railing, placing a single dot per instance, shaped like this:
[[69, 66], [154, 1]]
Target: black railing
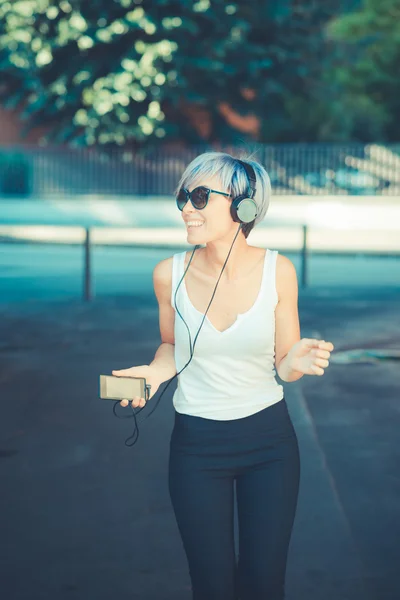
[[305, 169]]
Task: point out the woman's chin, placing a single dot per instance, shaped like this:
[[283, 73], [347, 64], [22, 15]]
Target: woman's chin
[[192, 233]]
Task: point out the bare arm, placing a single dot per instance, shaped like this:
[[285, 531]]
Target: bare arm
[[287, 326], [163, 366], [164, 360], [295, 357], [286, 373]]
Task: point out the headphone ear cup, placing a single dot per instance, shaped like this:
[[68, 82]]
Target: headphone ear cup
[[243, 209]]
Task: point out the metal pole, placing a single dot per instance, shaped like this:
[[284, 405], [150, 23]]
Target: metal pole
[[304, 264], [88, 291]]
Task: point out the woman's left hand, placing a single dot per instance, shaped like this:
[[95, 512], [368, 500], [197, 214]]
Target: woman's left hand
[[310, 356]]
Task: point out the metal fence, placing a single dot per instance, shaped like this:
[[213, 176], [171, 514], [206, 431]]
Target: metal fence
[[307, 169]]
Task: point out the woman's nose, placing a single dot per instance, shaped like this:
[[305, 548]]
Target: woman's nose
[[188, 208]]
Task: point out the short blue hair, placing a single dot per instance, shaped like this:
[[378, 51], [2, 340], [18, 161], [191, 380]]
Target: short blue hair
[[233, 179]]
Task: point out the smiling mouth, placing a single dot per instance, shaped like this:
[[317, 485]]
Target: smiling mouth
[[194, 226]]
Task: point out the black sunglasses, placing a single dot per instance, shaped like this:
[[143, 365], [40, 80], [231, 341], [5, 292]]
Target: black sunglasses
[[198, 197]]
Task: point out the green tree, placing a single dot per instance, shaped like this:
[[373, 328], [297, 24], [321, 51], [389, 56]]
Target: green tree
[[370, 75], [112, 71]]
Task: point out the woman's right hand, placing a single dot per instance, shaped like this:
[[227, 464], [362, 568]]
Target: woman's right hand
[[142, 371]]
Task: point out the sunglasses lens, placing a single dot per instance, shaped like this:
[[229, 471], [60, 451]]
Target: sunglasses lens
[[200, 197], [181, 199]]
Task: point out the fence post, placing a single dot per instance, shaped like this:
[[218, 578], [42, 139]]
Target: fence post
[[88, 291], [304, 263]]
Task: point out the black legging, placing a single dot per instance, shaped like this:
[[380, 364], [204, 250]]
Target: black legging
[[261, 453]]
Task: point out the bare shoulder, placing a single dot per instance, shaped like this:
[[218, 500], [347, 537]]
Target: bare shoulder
[[162, 279], [286, 277], [284, 264]]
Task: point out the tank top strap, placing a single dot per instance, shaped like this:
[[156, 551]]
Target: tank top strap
[[270, 272]]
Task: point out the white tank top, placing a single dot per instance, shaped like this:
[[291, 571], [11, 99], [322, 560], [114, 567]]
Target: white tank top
[[231, 374]]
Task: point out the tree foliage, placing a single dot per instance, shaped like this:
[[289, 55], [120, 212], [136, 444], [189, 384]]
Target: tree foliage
[[114, 71], [370, 75]]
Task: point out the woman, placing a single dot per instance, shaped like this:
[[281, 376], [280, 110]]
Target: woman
[[232, 426]]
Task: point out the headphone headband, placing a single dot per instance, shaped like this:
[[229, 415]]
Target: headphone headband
[[251, 177], [243, 207]]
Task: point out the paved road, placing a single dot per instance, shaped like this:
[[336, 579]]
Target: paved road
[[83, 516]]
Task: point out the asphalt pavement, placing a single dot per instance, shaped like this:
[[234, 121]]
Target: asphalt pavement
[[83, 516]]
